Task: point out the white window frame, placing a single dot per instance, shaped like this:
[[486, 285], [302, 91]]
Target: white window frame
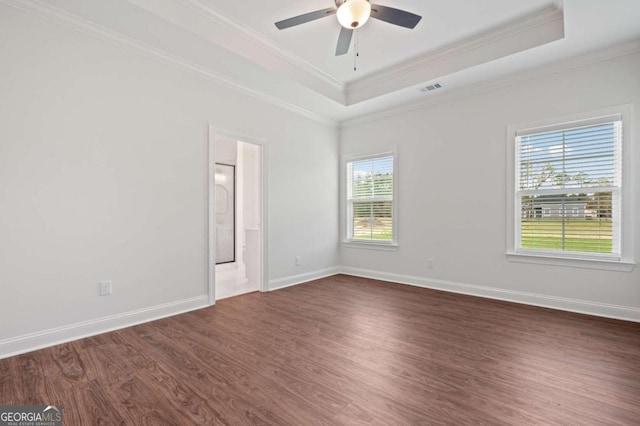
[[347, 240], [626, 262]]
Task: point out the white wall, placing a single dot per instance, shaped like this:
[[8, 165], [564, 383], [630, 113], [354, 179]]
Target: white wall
[[452, 190], [103, 175]]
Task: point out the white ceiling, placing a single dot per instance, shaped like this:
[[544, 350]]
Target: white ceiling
[[466, 45], [381, 45]]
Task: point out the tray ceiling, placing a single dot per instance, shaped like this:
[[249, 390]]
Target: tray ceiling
[[465, 45], [381, 45]]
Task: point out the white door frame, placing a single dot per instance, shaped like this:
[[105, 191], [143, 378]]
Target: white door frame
[[264, 229]]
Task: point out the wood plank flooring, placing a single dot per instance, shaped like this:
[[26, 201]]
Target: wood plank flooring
[[344, 351]]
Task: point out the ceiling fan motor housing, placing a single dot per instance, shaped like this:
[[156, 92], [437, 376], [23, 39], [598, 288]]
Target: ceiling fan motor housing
[[353, 14]]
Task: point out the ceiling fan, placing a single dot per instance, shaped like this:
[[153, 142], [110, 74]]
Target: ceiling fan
[[352, 14]]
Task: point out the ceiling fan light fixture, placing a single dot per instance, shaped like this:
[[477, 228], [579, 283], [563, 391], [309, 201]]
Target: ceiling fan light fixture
[[353, 14]]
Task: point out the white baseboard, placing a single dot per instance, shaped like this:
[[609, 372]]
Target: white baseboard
[[30, 342], [292, 280], [626, 313], [54, 336]]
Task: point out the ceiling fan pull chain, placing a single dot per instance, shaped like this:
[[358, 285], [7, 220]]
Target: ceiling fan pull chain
[[356, 53]]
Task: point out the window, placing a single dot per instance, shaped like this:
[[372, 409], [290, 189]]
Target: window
[[567, 166], [370, 199], [570, 193]]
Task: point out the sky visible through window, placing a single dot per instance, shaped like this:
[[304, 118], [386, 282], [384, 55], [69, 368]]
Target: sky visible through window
[[364, 168], [582, 157]]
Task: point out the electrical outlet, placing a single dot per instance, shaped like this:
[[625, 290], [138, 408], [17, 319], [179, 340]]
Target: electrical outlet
[[429, 263], [298, 260], [105, 288]]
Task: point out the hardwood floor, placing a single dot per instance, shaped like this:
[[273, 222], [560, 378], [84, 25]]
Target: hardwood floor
[[344, 350]]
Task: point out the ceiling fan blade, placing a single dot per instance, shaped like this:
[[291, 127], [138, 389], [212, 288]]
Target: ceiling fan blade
[[307, 17], [344, 41], [395, 16]]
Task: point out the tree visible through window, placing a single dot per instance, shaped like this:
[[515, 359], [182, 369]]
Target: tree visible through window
[[569, 188], [370, 199]]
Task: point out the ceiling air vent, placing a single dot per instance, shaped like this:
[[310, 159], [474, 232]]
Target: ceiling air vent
[[431, 87]]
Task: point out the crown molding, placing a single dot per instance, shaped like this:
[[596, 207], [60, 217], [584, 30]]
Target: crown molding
[[601, 55], [211, 25], [41, 9], [76, 23], [263, 42], [530, 31], [533, 30]]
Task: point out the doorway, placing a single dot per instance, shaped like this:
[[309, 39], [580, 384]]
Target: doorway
[[236, 216]]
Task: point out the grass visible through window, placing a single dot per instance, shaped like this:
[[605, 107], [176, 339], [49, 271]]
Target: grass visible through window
[[376, 228], [579, 235]]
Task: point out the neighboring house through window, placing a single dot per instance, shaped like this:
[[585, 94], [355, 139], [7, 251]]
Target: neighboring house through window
[[570, 190]]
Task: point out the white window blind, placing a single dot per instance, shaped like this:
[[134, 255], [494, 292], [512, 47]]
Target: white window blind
[[370, 199], [568, 188]]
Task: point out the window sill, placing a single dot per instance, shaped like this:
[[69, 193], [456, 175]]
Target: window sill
[[370, 245], [572, 262]]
